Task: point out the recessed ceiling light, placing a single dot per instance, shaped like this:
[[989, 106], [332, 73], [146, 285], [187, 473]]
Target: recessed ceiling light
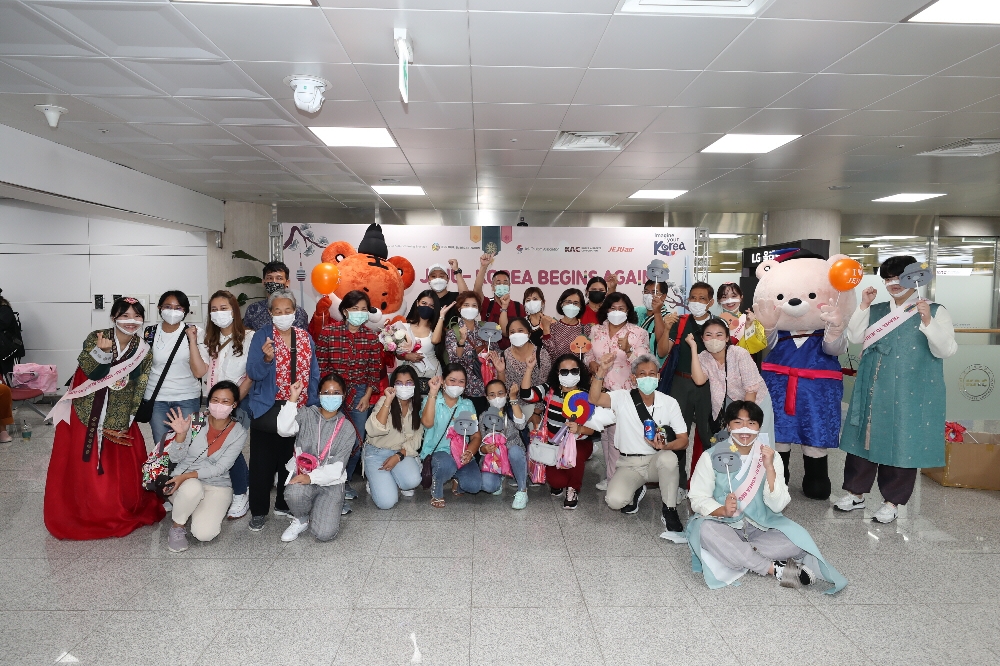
[[723, 235], [837, 188], [307, 3], [908, 197], [959, 11], [750, 143], [411, 190], [657, 194], [363, 137]]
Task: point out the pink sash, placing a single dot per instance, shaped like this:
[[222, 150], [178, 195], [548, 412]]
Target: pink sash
[[751, 483], [887, 324], [61, 410]]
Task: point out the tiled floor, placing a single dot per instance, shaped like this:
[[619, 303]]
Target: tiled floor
[[478, 583]]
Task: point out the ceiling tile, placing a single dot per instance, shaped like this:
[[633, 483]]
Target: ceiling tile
[[273, 136], [449, 139], [556, 6], [844, 91], [510, 157], [439, 37], [625, 172], [426, 115], [698, 120], [237, 153], [179, 134], [662, 161], [757, 89], [537, 85], [440, 156], [888, 11], [153, 151], [241, 111], [665, 42], [428, 83], [18, 110], [345, 84], [493, 171], [534, 39], [647, 87], [107, 132], [23, 32], [146, 109], [793, 46], [447, 171], [671, 142], [519, 116], [515, 139], [788, 121], [572, 172], [580, 117], [986, 63], [196, 78], [896, 52], [287, 34], [808, 150], [877, 123], [714, 161], [15, 81], [588, 158], [961, 124], [942, 93], [144, 30], [351, 156], [337, 113], [85, 76]]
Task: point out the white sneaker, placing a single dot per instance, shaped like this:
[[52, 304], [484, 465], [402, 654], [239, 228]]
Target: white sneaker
[[602, 484], [886, 513], [682, 494], [239, 506], [168, 505], [293, 531], [407, 493], [849, 502]]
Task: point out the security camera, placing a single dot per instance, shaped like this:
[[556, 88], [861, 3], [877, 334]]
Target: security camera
[[308, 91]]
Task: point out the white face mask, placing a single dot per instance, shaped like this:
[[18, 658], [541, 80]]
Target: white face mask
[[519, 339], [715, 345], [498, 402], [697, 309], [569, 381], [617, 317], [647, 301], [730, 303], [743, 431], [126, 322], [533, 307], [454, 391], [283, 322], [469, 313], [222, 318], [439, 284], [571, 311], [172, 316], [404, 392]]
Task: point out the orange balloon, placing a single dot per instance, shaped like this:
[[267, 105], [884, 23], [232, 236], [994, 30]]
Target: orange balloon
[[846, 274], [325, 278]]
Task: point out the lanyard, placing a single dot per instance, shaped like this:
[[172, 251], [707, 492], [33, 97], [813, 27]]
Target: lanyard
[[319, 436]]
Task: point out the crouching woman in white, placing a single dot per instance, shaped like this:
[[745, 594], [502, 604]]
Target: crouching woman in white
[[738, 492], [201, 488], [316, 476]]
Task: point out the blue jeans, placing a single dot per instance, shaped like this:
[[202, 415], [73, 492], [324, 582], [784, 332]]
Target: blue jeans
[[358, 418], [160, 409], [518, 465], [385, 486], [239, 473], [443, 468]]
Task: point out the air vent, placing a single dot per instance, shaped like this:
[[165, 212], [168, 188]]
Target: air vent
[[703, 7], [967, 148], [615, 141]]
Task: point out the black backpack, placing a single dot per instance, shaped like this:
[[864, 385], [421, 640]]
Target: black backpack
[[11, 342]]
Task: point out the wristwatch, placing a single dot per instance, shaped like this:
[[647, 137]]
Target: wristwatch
[[458, 271], [402, 455]]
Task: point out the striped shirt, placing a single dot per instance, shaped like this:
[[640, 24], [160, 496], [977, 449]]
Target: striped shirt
[[557, 420]]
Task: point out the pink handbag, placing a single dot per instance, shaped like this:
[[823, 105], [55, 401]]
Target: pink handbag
[[567, 452], [457, 445], [497, 462], [35, 376]]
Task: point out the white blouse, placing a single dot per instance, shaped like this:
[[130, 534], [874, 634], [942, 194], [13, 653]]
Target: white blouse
[[227, 365]]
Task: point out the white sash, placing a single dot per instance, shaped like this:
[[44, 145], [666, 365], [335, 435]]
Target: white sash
[[61, 411], [888, 323], [748, 488]]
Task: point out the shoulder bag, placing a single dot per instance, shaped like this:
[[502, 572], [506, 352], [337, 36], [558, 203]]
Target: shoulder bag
[[643, 412], [426, 471], [719, 423], [145, 412], [540, 449], [268, 421], [673, 358]]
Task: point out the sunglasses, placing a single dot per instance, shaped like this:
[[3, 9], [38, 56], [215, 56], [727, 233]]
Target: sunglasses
[[566, 372]]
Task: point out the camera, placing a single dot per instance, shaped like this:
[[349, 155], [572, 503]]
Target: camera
[[308, 91]]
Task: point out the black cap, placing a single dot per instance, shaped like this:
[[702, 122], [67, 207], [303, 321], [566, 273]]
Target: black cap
[[374, 242]]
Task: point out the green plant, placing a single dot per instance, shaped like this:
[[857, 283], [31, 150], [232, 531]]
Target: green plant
[[242, 298]]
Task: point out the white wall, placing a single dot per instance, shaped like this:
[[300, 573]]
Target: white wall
[[52, 262]]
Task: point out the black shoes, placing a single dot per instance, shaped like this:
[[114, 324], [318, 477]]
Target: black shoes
[[634, 506], [670, 519]]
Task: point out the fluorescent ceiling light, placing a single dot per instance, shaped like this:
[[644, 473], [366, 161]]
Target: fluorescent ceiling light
[[307, 3], [363, 137], [730, 251], [907, 197], [959, 11], [411, 190], [657, 194], [750, 143], [727, 263], [896, 237], [861, 240], [723, 235]]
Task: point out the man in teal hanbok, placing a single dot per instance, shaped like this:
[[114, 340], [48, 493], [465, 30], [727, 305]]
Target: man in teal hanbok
[[895, 423]]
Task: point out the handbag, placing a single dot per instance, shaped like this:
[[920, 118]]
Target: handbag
[[156, 470], [540, 449], [427, 471], [268, 421], [497, 462], [145, 412], [673, 358]]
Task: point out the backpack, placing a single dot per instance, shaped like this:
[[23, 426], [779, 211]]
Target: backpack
[[518, 310], [11, 343], [673, 358]]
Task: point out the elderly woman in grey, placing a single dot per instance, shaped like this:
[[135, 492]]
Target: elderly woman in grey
[[278, 357]]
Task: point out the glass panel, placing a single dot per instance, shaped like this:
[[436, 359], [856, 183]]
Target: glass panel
[[965, 284], [726, 253], [871, 251]]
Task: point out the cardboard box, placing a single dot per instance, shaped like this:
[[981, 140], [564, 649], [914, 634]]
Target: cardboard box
[[972, 463]]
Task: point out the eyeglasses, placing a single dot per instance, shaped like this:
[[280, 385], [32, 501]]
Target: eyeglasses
[[566, 372], [330, 392], [405, 384]]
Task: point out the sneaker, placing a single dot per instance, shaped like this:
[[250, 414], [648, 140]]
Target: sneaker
[[177, 541], [168, 505], [681, 494], [257, 523], [556, 492], [498, 491], [849, 502], [239, 506], [407, 493], [293, 531], [345, 509], [350, 493], [520, 499], [571, 499], [886, 513], [670, 519], [282, 512], [793, 574], [634, 506], [513, 483], [368, 489], [602, 484]]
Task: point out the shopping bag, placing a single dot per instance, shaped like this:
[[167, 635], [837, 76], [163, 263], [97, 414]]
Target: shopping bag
[[497, 462]]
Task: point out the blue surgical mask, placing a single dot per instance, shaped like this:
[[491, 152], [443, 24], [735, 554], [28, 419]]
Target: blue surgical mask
[[331, 403], [647, 384], [501, 290], [355, 318]]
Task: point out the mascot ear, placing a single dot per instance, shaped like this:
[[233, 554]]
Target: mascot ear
[[835, 258], [764, 267], [337, 251], [405, 269]]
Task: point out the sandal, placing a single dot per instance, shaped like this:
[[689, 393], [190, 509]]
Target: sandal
[[437, 503], [455, 489]]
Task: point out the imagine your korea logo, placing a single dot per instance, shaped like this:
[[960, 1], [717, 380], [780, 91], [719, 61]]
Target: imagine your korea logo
[[976, 382], [668, 248]]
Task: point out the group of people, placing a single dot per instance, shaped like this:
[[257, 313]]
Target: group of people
[[457, 409]]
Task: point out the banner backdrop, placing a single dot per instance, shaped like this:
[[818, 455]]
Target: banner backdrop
[[551, 258]]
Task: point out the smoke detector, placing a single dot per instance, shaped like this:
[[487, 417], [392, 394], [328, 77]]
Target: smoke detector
[[615, 141], [967, 148], [52, 113], [308, 91]]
